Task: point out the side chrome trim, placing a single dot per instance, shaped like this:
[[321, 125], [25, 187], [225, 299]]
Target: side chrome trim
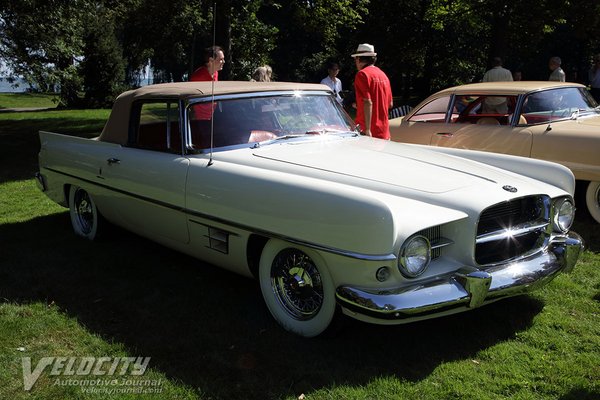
[[441, 243], [359, 256], [120, 191]]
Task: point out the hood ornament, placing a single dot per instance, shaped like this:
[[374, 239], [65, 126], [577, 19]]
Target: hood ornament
[[509, 188]]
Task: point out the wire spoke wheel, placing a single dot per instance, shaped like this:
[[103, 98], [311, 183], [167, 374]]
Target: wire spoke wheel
[[297, 284], [85, 217], [84, 211], [297, 288]]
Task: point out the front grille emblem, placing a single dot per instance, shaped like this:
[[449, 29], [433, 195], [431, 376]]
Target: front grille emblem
[[509, 188]]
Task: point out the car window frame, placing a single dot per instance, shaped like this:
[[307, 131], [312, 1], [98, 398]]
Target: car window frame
[[190, 102], [525, 96], [135, 121], [435, 121]]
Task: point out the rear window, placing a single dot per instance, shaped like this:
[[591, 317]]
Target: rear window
[[157, 127]]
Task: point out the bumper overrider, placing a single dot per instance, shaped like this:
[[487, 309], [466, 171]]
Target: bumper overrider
[[467, 288]]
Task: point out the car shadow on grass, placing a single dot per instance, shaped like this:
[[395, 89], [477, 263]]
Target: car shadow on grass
[[210, 329], [589, 229], [581, 394]]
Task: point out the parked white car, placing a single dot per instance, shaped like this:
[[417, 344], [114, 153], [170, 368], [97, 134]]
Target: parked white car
[[271, 180]]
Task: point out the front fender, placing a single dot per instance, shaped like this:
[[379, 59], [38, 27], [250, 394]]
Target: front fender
[[318, 213]]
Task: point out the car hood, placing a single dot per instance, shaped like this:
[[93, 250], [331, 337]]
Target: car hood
[[401, 165]]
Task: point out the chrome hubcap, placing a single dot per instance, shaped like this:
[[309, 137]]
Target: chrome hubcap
[[296, 283], [84, 210]]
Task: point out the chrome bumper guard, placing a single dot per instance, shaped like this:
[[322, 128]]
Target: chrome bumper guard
[[468, 288]]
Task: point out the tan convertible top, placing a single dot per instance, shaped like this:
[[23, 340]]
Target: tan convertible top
[[116, 128]]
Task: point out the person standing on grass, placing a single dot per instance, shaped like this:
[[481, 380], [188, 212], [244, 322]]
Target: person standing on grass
[[373, 94]]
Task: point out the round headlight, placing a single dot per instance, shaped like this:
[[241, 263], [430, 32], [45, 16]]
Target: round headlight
[[415, 256], [564, 215]]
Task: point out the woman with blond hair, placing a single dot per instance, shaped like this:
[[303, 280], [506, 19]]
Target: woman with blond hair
[[262, 74]]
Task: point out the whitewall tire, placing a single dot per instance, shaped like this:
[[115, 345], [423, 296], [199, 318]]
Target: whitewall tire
[[592, 200], [297, 288], [85, 217]]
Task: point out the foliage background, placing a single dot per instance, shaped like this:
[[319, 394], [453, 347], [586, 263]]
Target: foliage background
[[90, 50]]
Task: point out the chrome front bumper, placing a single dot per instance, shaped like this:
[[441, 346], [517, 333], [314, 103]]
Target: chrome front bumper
[[467, 288]]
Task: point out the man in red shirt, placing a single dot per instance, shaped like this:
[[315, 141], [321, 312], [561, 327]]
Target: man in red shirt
[[373, 94], [214, 59]]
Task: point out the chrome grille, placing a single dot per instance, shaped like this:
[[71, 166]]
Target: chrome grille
[[434, 235], [512, 229]]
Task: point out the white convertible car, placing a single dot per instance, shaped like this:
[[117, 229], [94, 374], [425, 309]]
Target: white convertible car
[[271, 180]]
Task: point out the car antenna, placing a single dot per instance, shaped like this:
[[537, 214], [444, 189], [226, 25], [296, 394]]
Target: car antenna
[[212, 90]]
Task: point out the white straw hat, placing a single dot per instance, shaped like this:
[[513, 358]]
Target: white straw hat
[[365, 50]]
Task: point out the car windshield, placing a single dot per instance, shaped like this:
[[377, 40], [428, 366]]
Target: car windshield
[[266, 118], [556, 104]]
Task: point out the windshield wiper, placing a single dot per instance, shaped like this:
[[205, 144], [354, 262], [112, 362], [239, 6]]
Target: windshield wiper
[[324, 131], [311, 133], [286, 137]]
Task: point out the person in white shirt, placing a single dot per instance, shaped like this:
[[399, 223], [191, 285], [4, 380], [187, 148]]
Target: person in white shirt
[[497, 73], [557, 73], [496, 104], [333, 81]]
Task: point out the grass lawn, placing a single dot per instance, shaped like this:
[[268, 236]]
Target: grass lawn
[[209, 335], [22, 100]]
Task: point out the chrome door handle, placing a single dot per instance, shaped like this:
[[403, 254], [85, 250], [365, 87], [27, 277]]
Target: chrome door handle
[[113, 160]]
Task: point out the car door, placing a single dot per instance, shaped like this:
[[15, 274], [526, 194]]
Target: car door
[[485, 123], [506, 139], [148, 176]]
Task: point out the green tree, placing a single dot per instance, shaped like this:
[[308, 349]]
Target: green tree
[[43, 43], [86, 48], [131, 32], [103, 66], [249, 40], [310, 33], [426, 45], [187, 28]]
